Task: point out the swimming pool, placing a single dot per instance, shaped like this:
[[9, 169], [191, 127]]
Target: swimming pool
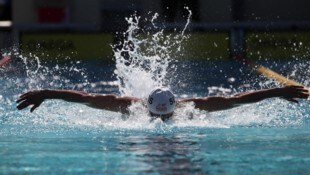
[[270, 137]]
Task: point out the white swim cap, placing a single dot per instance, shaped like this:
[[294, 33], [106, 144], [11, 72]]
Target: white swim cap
[[161, 101]]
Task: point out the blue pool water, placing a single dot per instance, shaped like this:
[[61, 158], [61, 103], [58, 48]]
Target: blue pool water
[[180, 151], [269, 137]]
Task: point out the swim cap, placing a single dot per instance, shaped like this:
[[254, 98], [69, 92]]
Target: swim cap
[[161, 101]]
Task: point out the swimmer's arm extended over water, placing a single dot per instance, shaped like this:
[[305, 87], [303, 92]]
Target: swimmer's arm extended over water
[[101, 101], [216, 103]]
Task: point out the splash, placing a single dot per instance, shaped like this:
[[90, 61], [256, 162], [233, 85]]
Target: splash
[[145, 58], [27, 72]]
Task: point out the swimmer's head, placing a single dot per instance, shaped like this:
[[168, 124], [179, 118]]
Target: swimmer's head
[[161, 102]]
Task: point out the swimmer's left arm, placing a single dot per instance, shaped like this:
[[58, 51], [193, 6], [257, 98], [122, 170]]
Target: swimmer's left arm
[[289, 93], [111, 102], [101, 101]]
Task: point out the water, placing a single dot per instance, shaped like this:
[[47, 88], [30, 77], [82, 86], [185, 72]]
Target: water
[[184, 151], [269, 137]]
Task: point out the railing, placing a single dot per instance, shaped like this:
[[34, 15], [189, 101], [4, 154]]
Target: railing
[[10, 32]]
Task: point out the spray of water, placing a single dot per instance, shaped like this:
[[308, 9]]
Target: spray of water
[[144, 59]]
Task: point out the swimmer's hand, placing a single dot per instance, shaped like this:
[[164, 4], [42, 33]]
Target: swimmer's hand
[[34, 98], [291, 93]]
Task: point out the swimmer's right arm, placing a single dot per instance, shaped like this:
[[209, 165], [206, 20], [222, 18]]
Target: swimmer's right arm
[[100, 101]]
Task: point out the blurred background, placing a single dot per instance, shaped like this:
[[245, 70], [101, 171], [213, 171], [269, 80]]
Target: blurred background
[[219, 29]]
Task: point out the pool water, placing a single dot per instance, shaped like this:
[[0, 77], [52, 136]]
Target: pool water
[[181, 151], [269, 137]]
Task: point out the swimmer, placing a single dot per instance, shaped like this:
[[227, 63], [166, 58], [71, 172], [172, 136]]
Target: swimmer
[[161, 101], [5, 60]]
